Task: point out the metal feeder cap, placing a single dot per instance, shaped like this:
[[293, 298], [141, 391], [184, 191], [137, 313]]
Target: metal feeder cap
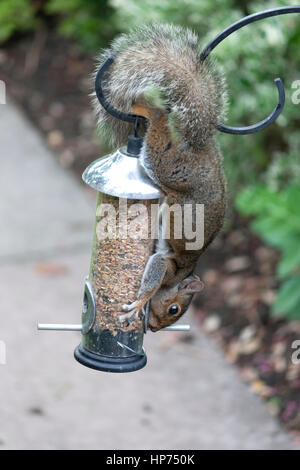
[[120, 174]]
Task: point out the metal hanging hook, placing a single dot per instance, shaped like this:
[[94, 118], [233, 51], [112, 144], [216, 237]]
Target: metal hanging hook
[[224, 34], [265, 122]]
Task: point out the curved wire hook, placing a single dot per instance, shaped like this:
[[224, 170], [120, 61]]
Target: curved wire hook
[[281, 94], [103, 101], [261, 124]]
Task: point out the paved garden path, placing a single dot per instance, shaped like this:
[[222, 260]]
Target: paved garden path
[[187, 397]]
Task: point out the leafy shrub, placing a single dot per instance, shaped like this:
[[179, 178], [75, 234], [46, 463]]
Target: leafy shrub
[[16, 15], [91, 22], [277, 222]]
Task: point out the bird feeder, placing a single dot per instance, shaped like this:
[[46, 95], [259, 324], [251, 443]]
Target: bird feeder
[[125, 198]]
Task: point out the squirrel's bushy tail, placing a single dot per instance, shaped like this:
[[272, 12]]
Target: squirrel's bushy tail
[[163, 57]]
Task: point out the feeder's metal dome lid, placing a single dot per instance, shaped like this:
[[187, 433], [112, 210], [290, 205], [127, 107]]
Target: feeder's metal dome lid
[[120, 174]]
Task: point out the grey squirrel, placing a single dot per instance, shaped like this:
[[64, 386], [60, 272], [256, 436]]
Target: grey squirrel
[[157, 73]]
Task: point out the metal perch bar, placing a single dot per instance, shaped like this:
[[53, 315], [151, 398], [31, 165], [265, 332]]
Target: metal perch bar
[[59, 326]]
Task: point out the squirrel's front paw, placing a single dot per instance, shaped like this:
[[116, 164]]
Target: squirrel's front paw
[[129, 317], [133, 310]]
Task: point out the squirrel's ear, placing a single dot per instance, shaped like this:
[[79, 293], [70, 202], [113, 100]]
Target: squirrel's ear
[[191, 285]]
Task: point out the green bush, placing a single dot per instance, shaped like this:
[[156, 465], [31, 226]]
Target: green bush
[[277, 222], [91, 22], [16, 15]]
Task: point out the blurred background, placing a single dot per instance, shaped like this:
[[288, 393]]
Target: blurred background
[[251, 304]]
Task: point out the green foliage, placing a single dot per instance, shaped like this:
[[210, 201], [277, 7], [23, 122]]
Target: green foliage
[[277, 222], [199, 15], [16, 15], [91, 22]]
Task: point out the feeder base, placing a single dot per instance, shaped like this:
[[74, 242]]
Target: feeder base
[[109, 364]]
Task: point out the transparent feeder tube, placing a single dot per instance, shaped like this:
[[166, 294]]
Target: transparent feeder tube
[[121, 247]]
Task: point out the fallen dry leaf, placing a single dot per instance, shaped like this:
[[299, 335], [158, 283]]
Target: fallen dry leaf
[[51, 269]]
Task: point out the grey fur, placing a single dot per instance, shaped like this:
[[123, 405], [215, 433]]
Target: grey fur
[[166, 57]]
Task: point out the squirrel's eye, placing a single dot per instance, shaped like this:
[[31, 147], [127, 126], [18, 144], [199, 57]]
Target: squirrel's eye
[[173, 309]]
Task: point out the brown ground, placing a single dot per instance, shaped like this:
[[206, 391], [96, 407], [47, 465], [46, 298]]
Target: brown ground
[[49, 78]]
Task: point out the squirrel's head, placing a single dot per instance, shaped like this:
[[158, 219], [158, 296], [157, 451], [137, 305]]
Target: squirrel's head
[[169, 304]]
